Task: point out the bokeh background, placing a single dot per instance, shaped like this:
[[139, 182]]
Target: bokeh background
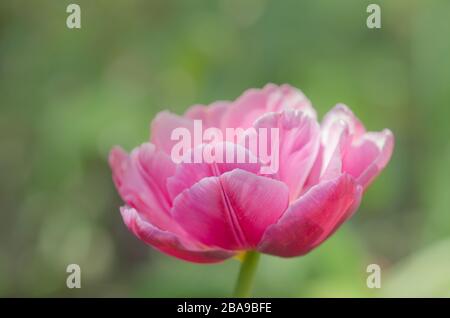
[[67, 96]]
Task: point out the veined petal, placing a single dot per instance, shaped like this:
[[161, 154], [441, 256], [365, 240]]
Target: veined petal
[[231, 211], [312, 218], [172, 244]]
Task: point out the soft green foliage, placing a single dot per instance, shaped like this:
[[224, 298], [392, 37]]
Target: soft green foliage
[[67, 96]]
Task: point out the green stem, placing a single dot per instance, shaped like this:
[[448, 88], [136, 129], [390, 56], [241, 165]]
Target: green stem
[[244, 283]]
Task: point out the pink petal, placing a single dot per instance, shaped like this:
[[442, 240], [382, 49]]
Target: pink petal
[[210, 115], [363, 154], [256, 102], [367, 156], [172, 244], [187, 174], [162, 127], [341, 112], [299, 141], [140, 179], [312, 218], [328, 164], [288, 97], [231, 211]]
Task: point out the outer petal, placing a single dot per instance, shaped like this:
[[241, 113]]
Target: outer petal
[[140, 179], [299, 141], [189, 173], [255, 102], [231, 211], [312, 218], [170, 243], [366, 157]]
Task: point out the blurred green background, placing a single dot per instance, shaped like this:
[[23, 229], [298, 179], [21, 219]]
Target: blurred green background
[[67, 96]]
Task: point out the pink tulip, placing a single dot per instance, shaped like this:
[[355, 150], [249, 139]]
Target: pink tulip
[[207, 213]]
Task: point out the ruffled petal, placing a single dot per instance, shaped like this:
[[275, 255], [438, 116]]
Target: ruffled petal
[[328, 164], [164, 125], [362, 154], [366, 157], [210, 115], [341, 112], [298, 145], [188, 172], [256, 102], [140, 179]]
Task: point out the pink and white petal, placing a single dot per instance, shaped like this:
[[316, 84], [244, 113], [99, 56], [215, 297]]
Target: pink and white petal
[[118, 161], [341, 112], [211, 115], [231, 211], [314, 175], [188, 172], [369, 155], [335, 142], [312, 218], [298, 145], [164, 125], [172, 244], [140, 179], [328, 164], [288, 97]]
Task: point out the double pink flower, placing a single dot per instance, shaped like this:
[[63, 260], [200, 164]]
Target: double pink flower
[[209, 212]]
